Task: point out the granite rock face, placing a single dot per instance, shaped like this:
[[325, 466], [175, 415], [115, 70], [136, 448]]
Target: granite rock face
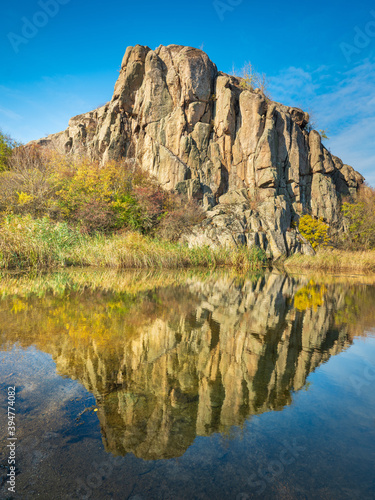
[[199, 131]]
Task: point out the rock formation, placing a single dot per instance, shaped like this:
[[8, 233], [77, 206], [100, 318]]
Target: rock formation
[[250, 161]]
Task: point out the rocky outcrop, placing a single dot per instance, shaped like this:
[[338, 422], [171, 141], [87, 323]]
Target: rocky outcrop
[[201, 132], [237, 221]]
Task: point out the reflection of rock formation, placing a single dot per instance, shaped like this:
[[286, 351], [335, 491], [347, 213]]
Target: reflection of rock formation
[[205, 356], [243, 352]]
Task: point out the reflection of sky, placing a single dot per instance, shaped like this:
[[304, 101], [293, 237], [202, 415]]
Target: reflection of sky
[[330, 425], [67, 68], [350, 377], [34, 374]]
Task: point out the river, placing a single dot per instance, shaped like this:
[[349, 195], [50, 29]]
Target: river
[[189, 385]]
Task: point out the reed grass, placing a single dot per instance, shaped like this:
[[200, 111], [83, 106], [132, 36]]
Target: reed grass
[[134, 251], [332, 260], [26, 243]]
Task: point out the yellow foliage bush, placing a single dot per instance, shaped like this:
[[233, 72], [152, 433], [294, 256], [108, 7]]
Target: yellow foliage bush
[[24, 198], [314, 230], [95, 198], [84, 181]]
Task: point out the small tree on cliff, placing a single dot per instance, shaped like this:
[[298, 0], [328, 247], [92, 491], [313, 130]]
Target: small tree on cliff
[[324, 134], [252, 80]]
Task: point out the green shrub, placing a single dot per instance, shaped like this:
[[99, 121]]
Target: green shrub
[[6, 147]]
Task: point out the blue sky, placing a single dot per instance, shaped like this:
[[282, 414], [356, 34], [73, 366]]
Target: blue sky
[[319, 57]]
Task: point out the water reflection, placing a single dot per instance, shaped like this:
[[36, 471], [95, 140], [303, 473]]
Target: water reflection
[[169, 362]]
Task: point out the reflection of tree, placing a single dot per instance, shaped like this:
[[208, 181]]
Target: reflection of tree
[[169, 363], [310, 296], [357, 311]]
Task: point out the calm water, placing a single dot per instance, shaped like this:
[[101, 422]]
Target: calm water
[[186, 386]]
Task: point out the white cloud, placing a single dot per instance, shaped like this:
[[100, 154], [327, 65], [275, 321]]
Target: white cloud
[[8, 113], [356, 147], [342, 103]]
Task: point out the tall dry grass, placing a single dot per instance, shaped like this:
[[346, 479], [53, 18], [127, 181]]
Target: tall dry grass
[[28, 243], [134, 251], [333, 261], [35, 243]]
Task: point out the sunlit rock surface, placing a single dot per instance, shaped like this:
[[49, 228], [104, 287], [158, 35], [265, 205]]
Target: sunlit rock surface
[[199, 131]]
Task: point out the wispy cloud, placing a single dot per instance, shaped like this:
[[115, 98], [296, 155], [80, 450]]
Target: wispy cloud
[[8, 113], [341, 102], [45, 106]]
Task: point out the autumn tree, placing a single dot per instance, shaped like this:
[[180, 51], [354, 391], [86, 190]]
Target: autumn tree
[[360, 218]]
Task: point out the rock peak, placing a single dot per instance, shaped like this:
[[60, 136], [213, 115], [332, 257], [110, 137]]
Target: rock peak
[[202, 132]]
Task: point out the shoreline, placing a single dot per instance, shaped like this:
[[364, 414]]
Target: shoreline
[[137, 252], [333, 260], [41, 244]]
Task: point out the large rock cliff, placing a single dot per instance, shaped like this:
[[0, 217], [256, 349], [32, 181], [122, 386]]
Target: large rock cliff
[[251, 162]]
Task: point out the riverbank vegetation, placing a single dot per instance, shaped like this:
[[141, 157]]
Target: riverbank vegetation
[[58, 210], [333, 260], [352, 250], [27, 243]]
